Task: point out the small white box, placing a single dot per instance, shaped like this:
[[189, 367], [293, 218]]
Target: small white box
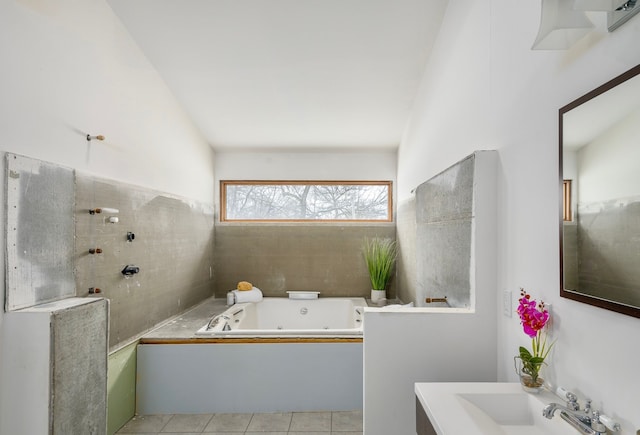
[[303, 295]]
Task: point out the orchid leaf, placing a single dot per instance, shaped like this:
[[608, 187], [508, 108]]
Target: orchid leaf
[[525, 355]]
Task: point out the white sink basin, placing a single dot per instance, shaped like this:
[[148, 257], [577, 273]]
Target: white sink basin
[[487, 408]]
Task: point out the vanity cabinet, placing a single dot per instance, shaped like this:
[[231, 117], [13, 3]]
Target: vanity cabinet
[[423, 425]]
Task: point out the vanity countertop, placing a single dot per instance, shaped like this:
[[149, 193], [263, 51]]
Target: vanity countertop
[[487, 408]]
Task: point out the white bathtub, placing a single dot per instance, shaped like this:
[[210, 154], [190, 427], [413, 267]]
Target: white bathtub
[[282, 317]]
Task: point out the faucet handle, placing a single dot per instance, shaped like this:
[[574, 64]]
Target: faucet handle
[[572, 401], [610, 423], [596, 424]]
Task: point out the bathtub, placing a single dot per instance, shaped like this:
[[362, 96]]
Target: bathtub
[[282, 317], [277, 355]]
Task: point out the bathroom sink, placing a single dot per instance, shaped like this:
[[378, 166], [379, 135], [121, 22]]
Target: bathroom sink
[[487, 408], [507, 409]]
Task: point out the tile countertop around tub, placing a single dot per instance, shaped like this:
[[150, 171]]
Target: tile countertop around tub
[[185, 325]]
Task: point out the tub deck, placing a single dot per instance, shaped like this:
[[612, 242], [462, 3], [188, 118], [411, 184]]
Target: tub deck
[[182, 329]]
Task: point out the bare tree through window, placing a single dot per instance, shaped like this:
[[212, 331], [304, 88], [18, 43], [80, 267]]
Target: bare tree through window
[[306, 200]]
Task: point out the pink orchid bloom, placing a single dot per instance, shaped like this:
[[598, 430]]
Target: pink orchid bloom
[[532, 316]]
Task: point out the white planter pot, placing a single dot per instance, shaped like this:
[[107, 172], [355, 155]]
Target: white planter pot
[[378, 296]]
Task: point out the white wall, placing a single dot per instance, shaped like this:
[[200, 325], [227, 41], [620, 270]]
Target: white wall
[[68, 69], [373, 164], [485, 88], [407, 345], [607, 167]]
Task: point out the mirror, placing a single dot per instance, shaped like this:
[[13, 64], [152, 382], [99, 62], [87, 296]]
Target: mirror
[[600, 196]]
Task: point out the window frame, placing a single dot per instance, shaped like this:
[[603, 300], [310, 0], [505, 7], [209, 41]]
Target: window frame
[[225, 183], [567, 212]]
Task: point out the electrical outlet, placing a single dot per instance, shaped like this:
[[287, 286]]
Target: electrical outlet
[[506, 303]]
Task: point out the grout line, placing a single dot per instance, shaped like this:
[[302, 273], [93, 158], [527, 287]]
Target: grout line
[[165, 425], [331, 425]]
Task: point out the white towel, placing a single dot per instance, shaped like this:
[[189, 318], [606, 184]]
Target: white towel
[[409, 305], [253, 295]]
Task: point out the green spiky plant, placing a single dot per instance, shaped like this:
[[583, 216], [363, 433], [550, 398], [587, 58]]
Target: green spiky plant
[[380, 255]]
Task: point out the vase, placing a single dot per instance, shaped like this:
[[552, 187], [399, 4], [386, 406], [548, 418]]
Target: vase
[[378, 296], [526, 380]]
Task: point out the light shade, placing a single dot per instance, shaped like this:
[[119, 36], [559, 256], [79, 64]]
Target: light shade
[[560, 25], [597, 5]]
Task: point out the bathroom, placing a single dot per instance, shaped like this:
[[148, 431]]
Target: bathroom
[[77, 70]]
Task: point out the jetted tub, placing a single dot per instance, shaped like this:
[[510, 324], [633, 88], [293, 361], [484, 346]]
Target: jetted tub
[[282, 317], [277, 355]]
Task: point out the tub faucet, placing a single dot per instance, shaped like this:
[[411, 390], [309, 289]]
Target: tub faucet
[[216, 319]]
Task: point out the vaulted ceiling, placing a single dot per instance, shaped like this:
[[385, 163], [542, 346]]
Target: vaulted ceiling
[[290, 74]]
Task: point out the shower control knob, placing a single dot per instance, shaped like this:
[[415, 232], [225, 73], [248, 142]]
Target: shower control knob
[[130, 270]]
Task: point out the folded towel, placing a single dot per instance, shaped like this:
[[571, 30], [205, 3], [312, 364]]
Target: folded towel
[[253, 295]]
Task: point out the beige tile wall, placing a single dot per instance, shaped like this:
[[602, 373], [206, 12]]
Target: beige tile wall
[[181, 262], [280, 257]]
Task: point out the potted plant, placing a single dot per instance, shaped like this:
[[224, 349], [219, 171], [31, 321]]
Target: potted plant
[[380, 256], [534, 316]]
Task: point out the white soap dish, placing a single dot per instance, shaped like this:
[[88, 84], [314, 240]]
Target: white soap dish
[[303, 295]]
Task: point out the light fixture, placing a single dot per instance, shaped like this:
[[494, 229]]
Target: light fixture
[[597, 5], [560, 25], [98, 137], [622, 14]]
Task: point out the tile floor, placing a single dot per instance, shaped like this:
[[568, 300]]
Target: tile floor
[[287, 423]]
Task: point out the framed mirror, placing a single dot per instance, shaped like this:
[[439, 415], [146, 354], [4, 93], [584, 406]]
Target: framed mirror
[[600, 196]]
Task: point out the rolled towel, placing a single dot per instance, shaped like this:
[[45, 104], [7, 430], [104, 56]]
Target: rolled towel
[[253, 295]]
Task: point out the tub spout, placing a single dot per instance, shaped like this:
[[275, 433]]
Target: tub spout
[[215, 320]]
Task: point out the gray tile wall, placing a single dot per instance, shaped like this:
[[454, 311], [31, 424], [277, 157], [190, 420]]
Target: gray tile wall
[[406, 283], [444, 220], [280, 257], [570, 255], [173, 247], [79, 369], [608, 254]]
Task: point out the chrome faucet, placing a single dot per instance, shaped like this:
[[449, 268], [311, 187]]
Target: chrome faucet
[[216, 319], [586, 421]]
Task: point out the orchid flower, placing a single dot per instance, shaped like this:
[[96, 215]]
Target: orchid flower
[[533, 317]]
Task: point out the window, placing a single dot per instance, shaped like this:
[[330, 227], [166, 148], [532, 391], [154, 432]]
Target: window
[[567, 215], [302, 201]]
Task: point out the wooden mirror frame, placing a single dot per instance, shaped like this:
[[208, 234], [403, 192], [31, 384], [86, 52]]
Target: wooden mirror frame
[[591, 300]]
